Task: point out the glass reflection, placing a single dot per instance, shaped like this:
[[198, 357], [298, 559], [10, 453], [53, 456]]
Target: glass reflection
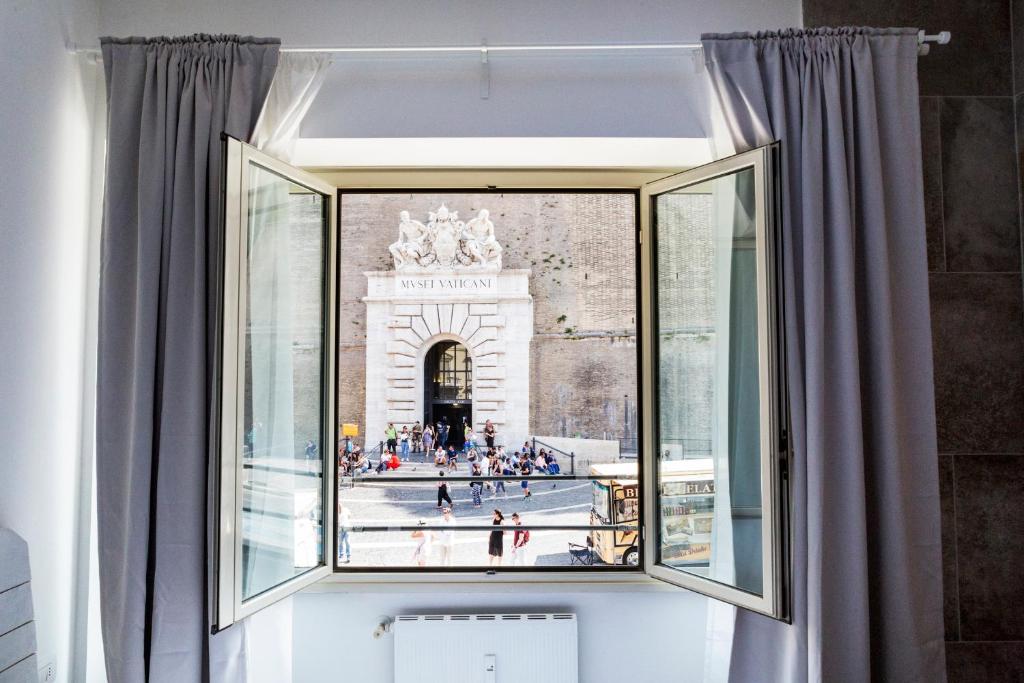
[[708, 464], [282, 493]]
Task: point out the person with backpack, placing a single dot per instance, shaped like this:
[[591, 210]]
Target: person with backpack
[[519, 540], [417, 437]]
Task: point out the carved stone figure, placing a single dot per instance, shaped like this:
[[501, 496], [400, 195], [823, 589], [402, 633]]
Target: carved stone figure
[[480, 240], [445, 242], [412, 241]]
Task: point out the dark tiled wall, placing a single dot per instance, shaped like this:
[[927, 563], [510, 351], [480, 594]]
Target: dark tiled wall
[[972, 105]]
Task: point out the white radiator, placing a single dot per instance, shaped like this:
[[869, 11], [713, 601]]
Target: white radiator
[[485, 648]]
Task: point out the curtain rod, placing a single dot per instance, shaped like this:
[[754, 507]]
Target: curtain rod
[[941, 38]]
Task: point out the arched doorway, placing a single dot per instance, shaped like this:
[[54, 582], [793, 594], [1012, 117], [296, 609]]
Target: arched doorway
[[448, 389]]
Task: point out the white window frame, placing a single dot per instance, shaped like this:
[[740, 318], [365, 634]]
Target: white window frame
[[629, 175], [229, 603], [773, 422]]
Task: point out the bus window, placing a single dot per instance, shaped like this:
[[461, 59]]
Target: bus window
[[626, 510], [602, 502]]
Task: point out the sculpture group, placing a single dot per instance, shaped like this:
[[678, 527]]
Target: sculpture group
[[445, 242]]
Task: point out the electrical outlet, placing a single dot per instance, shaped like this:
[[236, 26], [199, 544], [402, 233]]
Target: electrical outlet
[[48, 674]]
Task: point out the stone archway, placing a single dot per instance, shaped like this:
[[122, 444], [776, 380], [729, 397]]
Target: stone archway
[[447, 380]]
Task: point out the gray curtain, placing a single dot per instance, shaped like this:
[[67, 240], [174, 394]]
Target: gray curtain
[[169, 101], [867, 563]]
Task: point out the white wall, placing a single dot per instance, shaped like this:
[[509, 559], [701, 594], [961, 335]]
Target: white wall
[[45, 217], [637, 94], [633, 637]]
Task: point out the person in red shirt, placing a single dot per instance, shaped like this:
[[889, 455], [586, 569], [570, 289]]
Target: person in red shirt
[[519, 540], [394, 463]]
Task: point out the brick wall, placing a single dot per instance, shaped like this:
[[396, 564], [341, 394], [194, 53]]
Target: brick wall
[[580, 249]]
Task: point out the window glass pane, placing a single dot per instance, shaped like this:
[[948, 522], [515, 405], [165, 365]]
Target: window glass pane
[[708, 464], [282, 471]]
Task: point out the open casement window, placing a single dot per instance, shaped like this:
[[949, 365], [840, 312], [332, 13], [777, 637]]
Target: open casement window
[[716, 524], [276, 394]]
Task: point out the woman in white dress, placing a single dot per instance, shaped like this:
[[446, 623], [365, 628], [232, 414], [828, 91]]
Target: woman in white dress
[[425, 538]]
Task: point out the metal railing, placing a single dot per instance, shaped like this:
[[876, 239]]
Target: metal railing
[[569, 454]]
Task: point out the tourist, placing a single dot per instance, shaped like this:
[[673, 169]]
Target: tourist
[[553, 467], [442, 431], [541, 462], [393, 462], [528, 449], [488, 466], [524, 467], [403, 440], [442, 492], [470, 436], [426, 541], [495, 542], [453, 459], [489, 433], [519, 540], [505, 469], [476, 487], [361, 464], [417, 437], [447, 538], [344, 526], [391, 436], [310, 450], [440, 460], [428, 438]]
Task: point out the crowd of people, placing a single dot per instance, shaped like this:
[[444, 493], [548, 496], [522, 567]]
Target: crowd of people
[[486, 459]]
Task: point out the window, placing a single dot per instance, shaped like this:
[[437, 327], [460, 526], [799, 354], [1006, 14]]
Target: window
[[500, 327], [718, 508], [630, 335], [276, 399]]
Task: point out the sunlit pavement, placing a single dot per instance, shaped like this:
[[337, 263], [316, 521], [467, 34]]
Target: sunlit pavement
[[374, 502]]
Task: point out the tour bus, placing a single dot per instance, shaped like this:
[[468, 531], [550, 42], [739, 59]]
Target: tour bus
[[686, 507]]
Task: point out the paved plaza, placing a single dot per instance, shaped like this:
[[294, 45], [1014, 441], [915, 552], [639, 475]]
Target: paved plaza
[[373, 501]]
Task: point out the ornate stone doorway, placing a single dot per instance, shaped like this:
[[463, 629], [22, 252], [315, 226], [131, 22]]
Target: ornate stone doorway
[[448, 291], [448, 389]]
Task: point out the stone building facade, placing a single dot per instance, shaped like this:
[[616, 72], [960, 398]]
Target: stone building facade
[[574, 254], [579, 251]]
